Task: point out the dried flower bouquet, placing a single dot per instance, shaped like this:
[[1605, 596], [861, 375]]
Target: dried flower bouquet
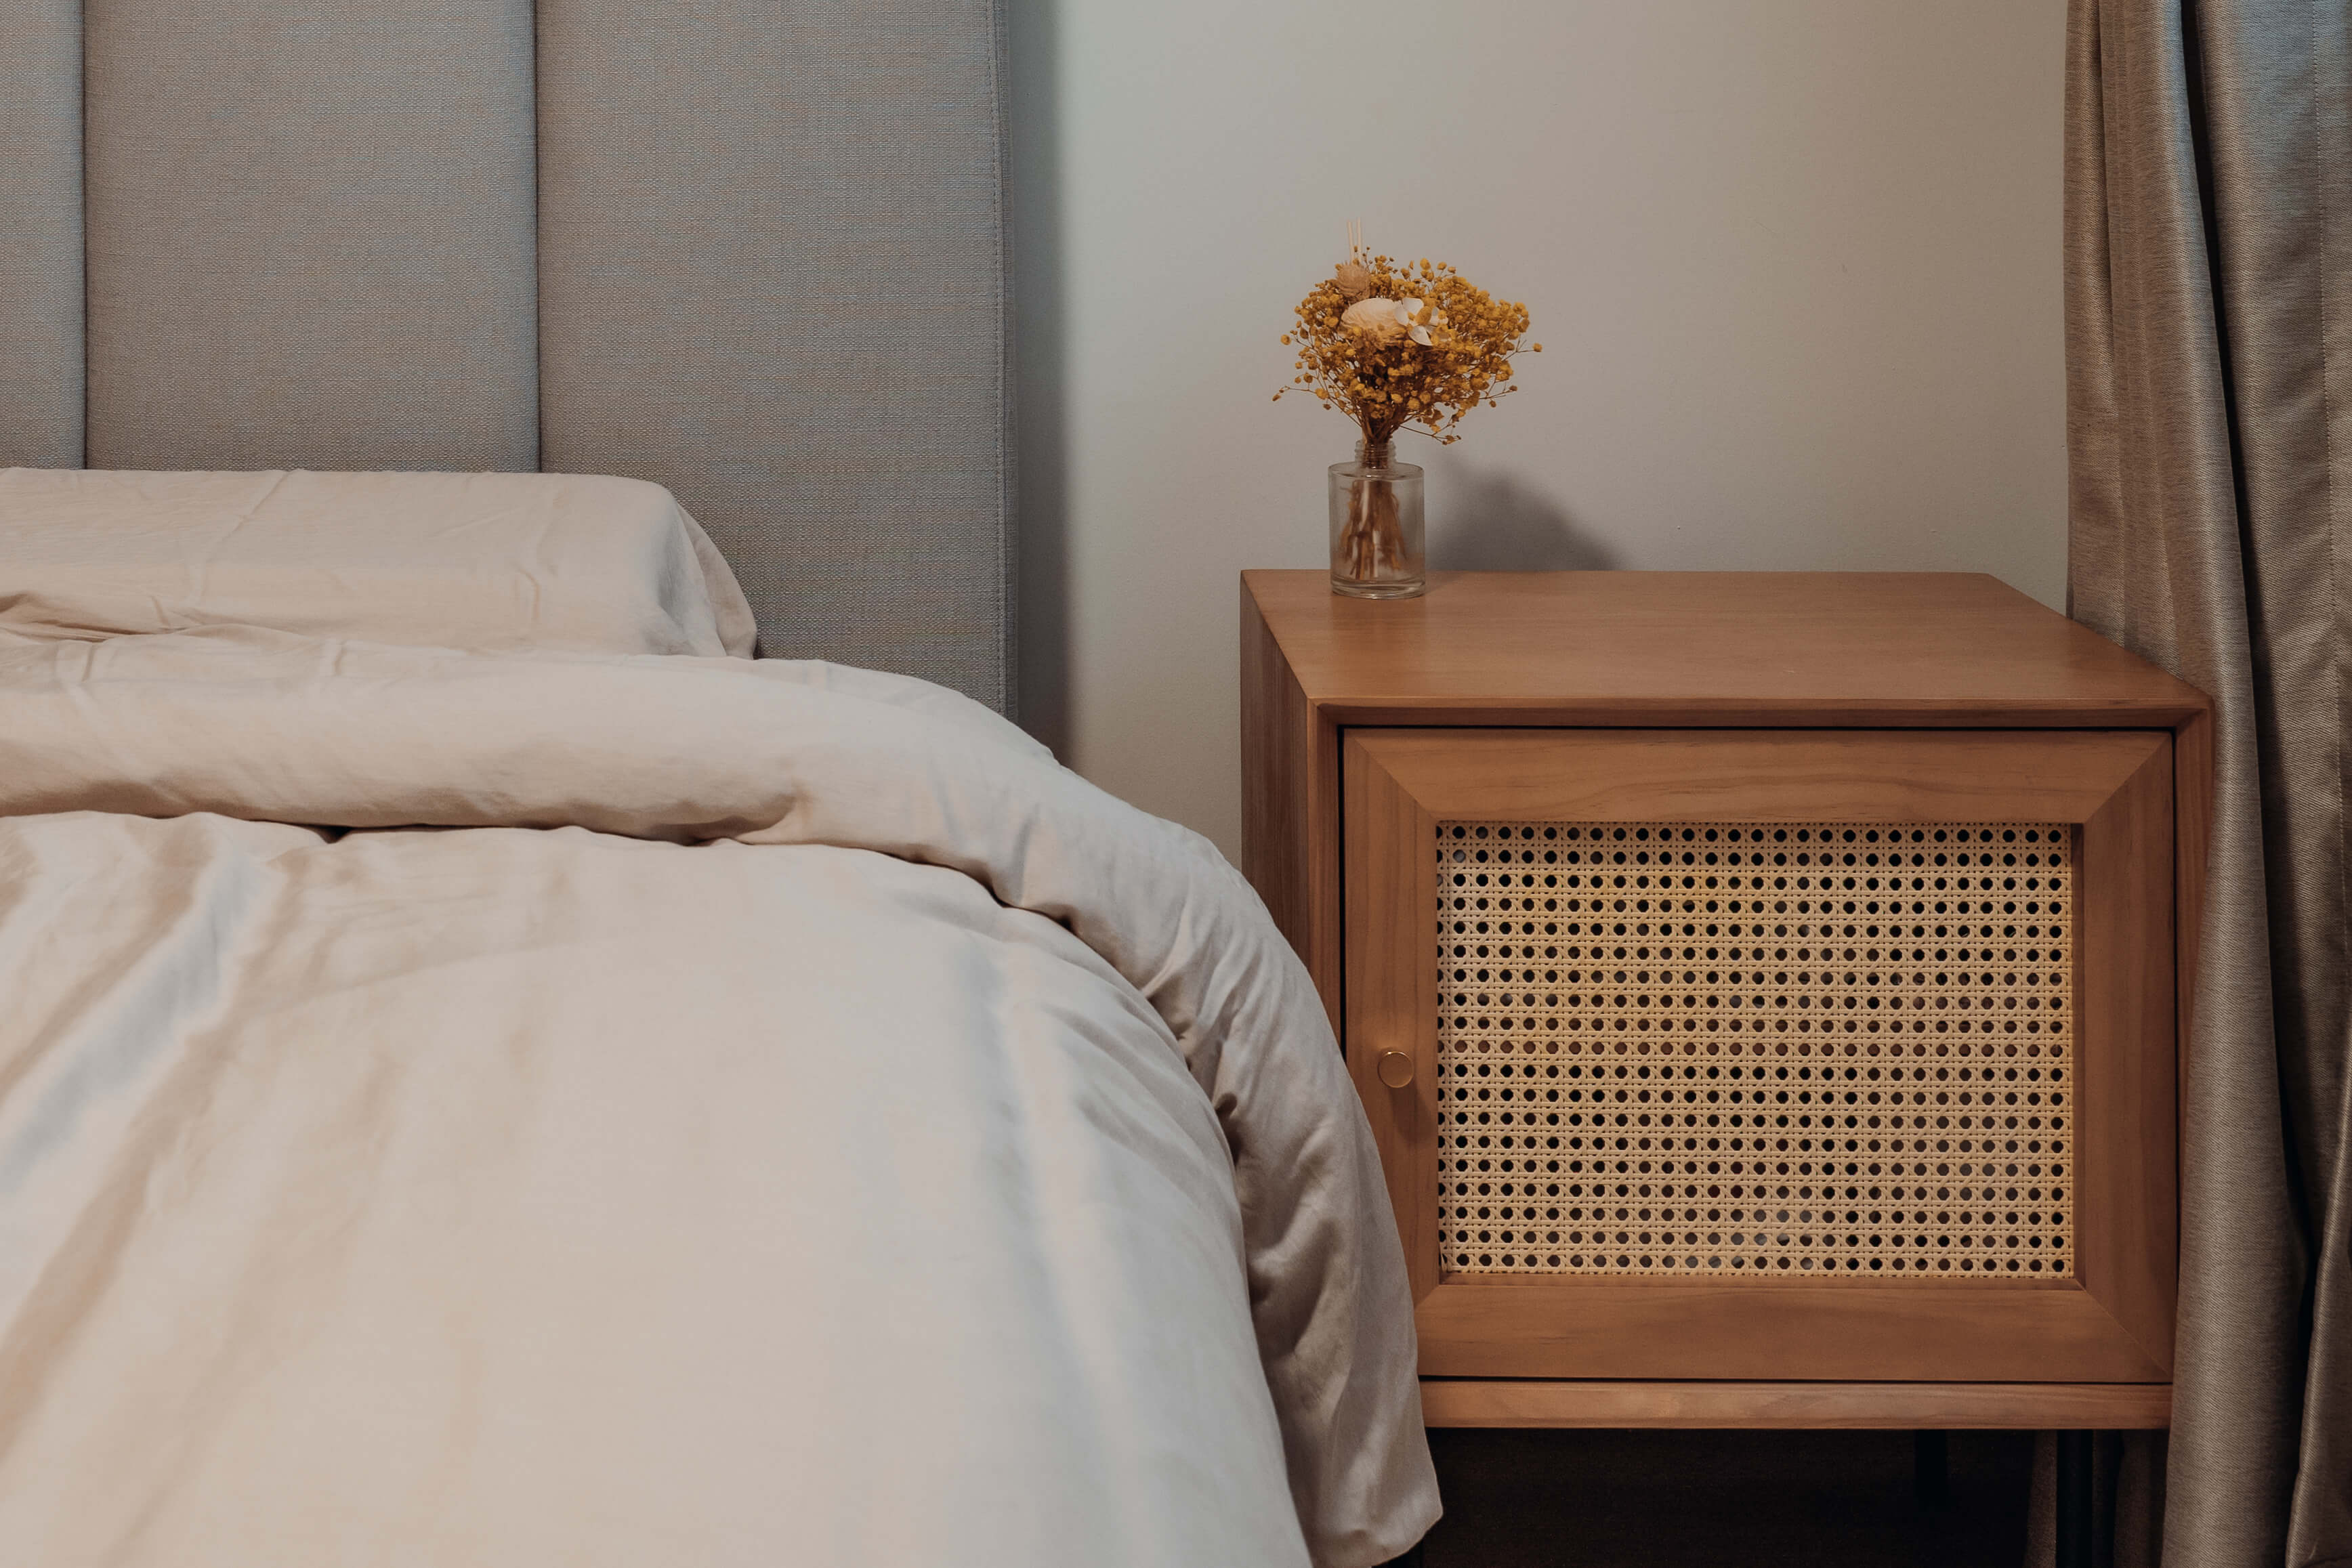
[[1393, 344]]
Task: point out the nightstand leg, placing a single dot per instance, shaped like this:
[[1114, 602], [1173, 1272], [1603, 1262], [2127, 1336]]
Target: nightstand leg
[[2073, 1500]]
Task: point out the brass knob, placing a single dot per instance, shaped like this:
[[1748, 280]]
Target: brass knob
[[1396, 1069]]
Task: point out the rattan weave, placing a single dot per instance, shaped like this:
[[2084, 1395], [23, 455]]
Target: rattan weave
[[1797, 1050]]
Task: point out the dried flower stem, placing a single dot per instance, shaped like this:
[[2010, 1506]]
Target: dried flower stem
[[1371, 541]]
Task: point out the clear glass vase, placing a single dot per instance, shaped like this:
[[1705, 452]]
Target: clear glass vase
[[1376, 526]]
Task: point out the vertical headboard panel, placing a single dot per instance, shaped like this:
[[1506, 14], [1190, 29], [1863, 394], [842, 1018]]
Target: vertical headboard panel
[[310, 233], [40, 252], [771, 278], [751, 249]]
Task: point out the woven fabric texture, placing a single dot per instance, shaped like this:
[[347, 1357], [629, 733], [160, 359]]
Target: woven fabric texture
[[750, 249], [40, 263], [2208, 323], [310, 234], [771, 258]]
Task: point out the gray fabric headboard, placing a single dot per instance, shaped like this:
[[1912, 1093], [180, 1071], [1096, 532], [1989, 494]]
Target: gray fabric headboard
[[751, 249]]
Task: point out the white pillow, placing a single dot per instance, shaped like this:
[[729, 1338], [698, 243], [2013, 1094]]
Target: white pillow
[[480, 561]]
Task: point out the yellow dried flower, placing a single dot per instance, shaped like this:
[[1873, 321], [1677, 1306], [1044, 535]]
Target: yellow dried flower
[[1391, 344]]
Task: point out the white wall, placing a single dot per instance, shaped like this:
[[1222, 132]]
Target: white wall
[[1794, 264]]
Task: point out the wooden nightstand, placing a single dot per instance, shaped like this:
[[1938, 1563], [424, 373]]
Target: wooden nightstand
[[1763, 987]]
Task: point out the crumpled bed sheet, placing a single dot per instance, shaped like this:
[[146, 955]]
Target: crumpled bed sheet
[[540, 1109]]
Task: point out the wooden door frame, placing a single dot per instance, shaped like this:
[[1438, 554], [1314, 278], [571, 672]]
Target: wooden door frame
[[2112, 1322]]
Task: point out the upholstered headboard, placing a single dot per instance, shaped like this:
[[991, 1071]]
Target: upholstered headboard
[[751, 249]]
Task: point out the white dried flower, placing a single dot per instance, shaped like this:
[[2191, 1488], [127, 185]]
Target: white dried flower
[[1408, 314], [1375, 319]]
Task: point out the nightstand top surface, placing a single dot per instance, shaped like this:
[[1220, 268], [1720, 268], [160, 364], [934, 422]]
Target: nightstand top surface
[[1683, 644]]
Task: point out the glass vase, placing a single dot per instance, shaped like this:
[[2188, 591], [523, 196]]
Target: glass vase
[[1376, 526]]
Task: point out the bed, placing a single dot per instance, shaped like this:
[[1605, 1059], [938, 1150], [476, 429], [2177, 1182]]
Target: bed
[[490, 1072]]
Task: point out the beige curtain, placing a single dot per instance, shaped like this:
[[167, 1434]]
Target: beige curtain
[[2209, 318]]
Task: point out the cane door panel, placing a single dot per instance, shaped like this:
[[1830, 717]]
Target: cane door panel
[[1795, 1054]]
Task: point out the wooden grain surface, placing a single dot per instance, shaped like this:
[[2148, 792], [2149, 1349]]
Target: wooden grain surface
[[1748, 648], [1768, 776], [2126, 1210], [2108, 1406], [1571, 1326], [2193, 834], [1290, 805], [1391, 1005]]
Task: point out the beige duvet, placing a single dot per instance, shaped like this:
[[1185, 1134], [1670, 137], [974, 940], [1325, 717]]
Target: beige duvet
[[709, 1113]]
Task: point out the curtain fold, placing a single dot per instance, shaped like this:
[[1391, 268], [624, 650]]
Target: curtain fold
[[2209, 318]]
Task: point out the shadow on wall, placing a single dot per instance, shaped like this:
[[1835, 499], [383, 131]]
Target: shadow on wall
[[1032, 132], [1490, 521]]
